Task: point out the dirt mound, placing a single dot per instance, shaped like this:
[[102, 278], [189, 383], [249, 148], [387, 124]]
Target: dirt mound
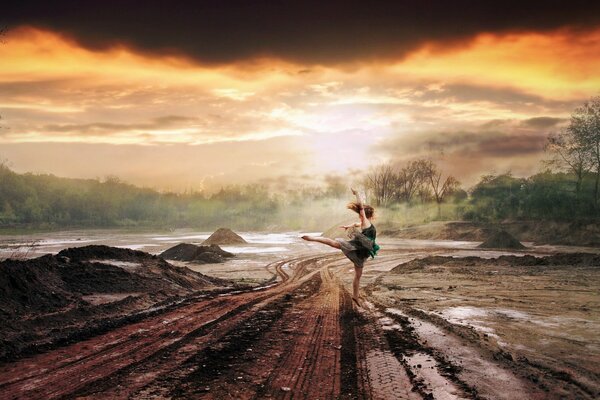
[[48, 283], [103, 252], [198, 254], [31, 286], [501, 240], [560, 259], [224, 236], [47, 298]]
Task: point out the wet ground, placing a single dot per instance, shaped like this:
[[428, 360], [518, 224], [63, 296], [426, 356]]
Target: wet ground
[[468, 331]]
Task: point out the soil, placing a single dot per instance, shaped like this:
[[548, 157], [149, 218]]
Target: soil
[[560, 259], [50, 299], [224, 236], [501, 240], [198, 254], [535, 318], [439, 327]]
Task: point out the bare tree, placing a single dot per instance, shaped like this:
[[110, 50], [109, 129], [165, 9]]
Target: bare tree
[[410, 179], [419, 178], [379, 181]]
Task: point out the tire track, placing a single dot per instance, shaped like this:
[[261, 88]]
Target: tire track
[[312, 369], [69, 369]]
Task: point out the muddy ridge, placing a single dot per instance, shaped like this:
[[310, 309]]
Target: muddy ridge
[[574, 259], [205, 254], [575, 233]]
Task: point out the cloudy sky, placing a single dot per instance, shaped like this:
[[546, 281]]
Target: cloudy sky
[[180, 95]]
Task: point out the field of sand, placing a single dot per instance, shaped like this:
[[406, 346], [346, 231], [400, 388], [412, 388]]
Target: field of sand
[[473, 327]]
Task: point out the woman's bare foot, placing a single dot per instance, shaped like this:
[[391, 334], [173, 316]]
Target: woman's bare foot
[[305, 237], [354, 299]]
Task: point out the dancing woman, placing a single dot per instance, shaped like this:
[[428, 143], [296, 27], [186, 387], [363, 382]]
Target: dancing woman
[[362, 244]]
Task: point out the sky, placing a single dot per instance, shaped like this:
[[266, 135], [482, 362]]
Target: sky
[[200, 94]]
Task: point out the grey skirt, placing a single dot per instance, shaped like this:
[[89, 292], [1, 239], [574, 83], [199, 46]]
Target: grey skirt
[[354, 252]]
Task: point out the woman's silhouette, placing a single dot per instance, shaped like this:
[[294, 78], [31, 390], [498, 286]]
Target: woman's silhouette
[[362, 244]]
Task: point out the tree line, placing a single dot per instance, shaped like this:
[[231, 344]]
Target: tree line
[[419, 179], [47, 201]]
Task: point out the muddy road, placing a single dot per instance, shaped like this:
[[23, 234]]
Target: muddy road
[[302, 338]]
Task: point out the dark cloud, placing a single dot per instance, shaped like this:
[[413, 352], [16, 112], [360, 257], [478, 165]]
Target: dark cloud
[[307, 31], [476, 144], [467, 154], [543, 122], [510, 146], [506, 96]]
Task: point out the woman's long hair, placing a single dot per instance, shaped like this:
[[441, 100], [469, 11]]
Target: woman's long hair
[[354, 206]]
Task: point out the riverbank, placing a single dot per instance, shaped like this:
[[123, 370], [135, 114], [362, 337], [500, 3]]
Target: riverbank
[[576, 233]]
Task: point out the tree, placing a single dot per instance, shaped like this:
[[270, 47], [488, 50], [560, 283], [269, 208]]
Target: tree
[[569, 153], [585, 129], [441, 188], [497, 197], [410, 179], [380, 181]]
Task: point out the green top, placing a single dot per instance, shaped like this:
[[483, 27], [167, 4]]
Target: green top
[[371, 233]]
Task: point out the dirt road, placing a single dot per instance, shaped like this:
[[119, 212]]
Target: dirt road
[[302, 338]]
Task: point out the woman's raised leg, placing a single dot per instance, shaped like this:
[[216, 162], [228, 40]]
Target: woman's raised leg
[[327, 241]]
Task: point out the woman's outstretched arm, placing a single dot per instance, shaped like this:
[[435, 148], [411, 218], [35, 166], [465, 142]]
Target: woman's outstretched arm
[[364, 222]]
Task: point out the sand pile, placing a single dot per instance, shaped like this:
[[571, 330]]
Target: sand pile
[[198, 254], [224, 236], [501, 240]]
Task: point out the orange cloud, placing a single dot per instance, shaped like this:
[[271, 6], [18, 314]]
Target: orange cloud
[[561, 64], [56, 91]]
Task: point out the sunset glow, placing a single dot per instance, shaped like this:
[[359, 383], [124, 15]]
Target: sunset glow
[[282, 117]]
